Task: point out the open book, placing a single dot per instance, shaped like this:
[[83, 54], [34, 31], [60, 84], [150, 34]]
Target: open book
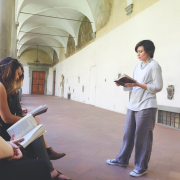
[[39, 110], [26, 128], [125, 79]]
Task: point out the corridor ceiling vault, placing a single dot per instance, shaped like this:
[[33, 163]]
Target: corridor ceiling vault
[[32, 24]]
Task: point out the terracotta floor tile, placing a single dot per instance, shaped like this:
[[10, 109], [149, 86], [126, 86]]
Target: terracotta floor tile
[[104, 176], [156, 175], [175, 175], [163, 169], [166, 161], [175, 167], [89, 175], [82, 167]]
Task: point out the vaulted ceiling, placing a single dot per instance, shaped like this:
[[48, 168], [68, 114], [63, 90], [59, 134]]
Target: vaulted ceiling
[[33, 29]]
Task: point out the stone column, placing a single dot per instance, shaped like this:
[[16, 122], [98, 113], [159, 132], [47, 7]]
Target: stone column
[[6, 10], [16, 40], [13, 33], [94, 35]]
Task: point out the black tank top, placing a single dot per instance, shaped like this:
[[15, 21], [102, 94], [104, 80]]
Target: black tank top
[[15, 109]]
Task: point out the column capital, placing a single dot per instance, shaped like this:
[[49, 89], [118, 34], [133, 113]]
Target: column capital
[[16, 24], [129, 9], [94, 35]]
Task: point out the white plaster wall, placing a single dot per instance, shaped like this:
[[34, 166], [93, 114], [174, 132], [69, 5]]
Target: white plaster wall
[[25, 87], [129, 2], [50, 82], [114, 53]]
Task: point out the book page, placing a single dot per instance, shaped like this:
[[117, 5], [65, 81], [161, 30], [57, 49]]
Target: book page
[[125, 79], [32, 135], [35, 110], [125, 75], [22, 127], [38, 110]]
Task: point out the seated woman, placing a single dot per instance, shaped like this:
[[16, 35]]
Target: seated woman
[[10, 71], [14, 166], [16, 109]]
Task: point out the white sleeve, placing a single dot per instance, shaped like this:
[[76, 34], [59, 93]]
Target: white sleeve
[[157, 84]]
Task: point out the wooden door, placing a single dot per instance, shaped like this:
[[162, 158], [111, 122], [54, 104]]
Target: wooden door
[[38, 82]]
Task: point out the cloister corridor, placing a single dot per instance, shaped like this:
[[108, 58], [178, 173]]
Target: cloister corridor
[[90, 135]]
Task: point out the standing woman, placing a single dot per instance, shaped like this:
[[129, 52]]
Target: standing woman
[[141, 112]]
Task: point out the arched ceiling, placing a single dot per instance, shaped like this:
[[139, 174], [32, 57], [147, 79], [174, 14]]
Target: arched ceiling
[[31, 27]]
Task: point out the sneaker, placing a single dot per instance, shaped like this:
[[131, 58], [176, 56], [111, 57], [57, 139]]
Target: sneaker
[[115, 163], [136, 173]]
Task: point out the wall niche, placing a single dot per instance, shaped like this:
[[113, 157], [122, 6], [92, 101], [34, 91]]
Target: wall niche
[[78, 79], [85, 33], [104, 13], [119, 75], [55, 58], [70, 46]]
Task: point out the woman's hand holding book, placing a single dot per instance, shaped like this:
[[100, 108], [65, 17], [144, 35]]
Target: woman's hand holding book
[[143, 86], [17, 151], [131, 84], [117, 84]]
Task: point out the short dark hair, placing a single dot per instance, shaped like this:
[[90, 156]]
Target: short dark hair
[[148, 47]]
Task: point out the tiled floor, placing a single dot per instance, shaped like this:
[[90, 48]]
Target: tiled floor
[[90, 135]]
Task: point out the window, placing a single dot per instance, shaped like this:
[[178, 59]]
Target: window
[[78, 79], [169, 118], [119, 75]]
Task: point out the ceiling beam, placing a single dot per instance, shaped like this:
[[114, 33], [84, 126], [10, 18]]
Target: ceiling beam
[[40, 45], [55, 17], [45, 34]]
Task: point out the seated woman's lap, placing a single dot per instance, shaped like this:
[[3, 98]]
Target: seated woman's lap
[[25, 169], [3, 132]]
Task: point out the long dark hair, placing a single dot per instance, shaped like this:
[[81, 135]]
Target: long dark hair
[[8, 67]]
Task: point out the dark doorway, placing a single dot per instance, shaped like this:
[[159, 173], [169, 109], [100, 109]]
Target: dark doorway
[[69, 96], [54, 83]]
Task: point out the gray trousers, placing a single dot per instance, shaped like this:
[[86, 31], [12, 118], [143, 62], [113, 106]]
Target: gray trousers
[[138, 132], [41, 152]]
